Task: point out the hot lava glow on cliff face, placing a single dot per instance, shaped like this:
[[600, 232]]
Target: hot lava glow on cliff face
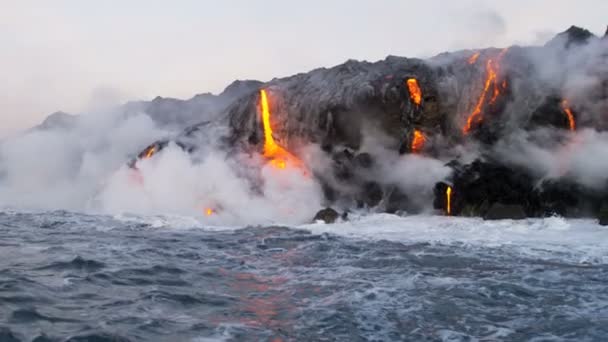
[[473, 58], [448, 201], [415, 91], [418, 141], [491, 81], [279, 157], [569, 115]]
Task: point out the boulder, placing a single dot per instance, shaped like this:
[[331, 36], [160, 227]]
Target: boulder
[[499, 211], [327, 215]]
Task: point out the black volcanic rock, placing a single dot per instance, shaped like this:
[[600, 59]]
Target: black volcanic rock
[[240, 88], [200, 108], [480, 184], [603, 214], [342, 108], [499, 211], [327, 215], [549, 113], [573, 36]]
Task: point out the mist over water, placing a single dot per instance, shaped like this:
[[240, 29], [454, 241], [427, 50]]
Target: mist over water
[[62, 168], [84, 168]]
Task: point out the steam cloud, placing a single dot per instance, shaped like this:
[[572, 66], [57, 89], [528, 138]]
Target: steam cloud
[[83, 168]]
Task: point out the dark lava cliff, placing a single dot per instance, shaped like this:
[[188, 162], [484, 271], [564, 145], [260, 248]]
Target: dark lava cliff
[[479, 112]]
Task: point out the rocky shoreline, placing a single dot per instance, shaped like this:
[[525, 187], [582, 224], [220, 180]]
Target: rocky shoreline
[[480, 113]]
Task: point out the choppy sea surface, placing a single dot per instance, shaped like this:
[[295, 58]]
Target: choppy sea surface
[[78, 277]]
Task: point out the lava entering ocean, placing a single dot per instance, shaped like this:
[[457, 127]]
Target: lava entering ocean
[[448, 201], [279, 157]]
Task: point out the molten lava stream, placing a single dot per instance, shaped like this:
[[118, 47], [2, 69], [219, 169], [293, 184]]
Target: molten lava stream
[[279, 157], [415, 92], [475, 116], [418, 141], [474, 58], [150, 152], [448, 201], [491, 80], [569, 115]]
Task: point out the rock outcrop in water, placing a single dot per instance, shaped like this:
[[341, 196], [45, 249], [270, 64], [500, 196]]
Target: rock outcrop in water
[[464, 108]]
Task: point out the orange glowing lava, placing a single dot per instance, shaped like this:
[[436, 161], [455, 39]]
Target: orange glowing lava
[[150, 152], [418, 141], [279, 157], [448, 199], [491, 81], [209, 212], [415, 92], [474, 58], [569, 114]]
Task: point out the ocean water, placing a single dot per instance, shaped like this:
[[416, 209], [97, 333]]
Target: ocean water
[[80, 277]]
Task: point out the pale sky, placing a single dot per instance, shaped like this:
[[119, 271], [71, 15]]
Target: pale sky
[[72, 55]]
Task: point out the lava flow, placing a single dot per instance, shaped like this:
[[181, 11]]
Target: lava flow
[[150, 152], [415, 92], [491, 80], [279, 157], [448, 201], [418, 141], [474, 58], [569, 114]]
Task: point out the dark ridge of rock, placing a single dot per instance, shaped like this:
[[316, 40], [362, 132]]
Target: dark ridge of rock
[[603, 214], [58, 120], [240, 88], [338, 108], [327, 215], [499, 211], [334, 106], [606, 34], [573, 36], [200, 108]]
